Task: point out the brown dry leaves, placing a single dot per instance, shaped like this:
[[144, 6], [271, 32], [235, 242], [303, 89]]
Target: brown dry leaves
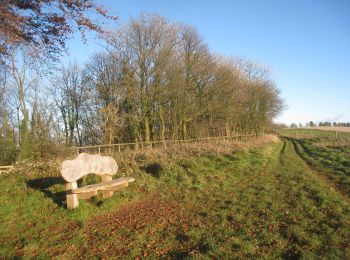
[[135, 215], [116, 233]]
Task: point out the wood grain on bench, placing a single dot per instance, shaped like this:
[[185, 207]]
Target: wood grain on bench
[[109, 185], [84, 164]]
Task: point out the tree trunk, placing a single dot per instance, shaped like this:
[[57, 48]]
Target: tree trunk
[[184, 129], [227, 128], [147, 130], [162, 133]]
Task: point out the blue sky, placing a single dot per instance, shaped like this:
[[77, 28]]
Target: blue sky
[[305, 43]]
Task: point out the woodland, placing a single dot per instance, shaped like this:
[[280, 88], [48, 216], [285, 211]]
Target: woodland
[[154, 80]]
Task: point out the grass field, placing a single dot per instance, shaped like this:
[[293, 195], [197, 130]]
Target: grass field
[[287, 198], [302, 133], [332, 128]]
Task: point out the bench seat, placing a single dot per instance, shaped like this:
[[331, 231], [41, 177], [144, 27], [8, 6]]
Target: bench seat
[[108, 185]]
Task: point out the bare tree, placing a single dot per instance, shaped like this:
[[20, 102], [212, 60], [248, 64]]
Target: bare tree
[[159, 80], [23, 78], [111, 123], [70, 94]]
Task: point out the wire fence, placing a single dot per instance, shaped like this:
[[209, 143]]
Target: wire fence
[[119, 147]]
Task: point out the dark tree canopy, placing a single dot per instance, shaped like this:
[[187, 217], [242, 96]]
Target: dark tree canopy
[[48, 23]]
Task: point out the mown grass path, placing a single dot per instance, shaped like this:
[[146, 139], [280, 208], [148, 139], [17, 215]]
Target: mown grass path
[[262, 203], [316, 203], [331, 164]]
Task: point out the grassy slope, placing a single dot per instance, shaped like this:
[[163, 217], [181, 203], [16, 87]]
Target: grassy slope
[[266, 202]]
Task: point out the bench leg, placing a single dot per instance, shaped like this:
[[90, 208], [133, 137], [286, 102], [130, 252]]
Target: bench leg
[[106, 193], [72, 199]]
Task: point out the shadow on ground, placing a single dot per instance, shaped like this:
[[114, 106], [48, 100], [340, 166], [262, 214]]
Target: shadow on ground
[[154, 169], [44, 184]]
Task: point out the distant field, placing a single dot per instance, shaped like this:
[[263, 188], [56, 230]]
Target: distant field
[[279, 199], [303, 133], [330, 128]]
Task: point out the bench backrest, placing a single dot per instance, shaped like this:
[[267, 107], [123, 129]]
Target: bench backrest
[[84, 164]]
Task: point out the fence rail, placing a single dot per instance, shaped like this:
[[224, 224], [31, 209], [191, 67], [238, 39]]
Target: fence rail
[[152, 144]]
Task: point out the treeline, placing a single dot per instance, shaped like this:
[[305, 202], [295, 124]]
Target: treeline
[[341, 124], [334, 124], [155, 81]]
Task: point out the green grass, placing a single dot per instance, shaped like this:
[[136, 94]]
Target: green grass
[[328, 155], [313, 133], [266, 202]]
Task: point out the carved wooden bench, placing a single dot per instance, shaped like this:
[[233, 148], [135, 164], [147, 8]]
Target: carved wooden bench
[[84, 164]]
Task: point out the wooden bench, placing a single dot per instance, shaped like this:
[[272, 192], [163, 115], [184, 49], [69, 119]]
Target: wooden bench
[[107, 186], [6, 168], [84, 164]]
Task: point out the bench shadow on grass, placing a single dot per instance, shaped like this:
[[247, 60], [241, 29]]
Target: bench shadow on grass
[[43, 184], [154, 169]]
